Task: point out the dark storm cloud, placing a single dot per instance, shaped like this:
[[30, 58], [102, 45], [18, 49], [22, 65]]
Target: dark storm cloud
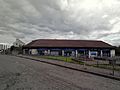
[[69, 19]]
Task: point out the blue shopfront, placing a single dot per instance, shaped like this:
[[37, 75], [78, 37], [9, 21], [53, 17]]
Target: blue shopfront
[[75, 52]]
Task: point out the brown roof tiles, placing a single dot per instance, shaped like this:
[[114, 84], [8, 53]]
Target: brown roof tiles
[[68, 43]]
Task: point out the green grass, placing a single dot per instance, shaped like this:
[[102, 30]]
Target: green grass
[[61, 58]]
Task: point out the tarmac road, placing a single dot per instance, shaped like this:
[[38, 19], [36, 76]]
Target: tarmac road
[[24, 74]]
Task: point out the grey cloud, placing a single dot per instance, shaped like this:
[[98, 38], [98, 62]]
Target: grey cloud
[[107, 34], [32, 19]]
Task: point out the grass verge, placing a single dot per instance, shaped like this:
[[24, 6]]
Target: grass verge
[[61, 58]]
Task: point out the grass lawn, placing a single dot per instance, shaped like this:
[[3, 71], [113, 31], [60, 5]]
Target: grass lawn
[[66, 59], [61, 58]]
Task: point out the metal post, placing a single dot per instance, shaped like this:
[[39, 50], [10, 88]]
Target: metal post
[[113, 72], [97, 63], [113, 63]]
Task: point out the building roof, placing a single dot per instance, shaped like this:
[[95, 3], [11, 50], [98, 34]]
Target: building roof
[[68, 43], [19, 41]]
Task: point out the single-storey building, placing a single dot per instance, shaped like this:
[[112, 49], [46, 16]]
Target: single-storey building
[[90, 48]]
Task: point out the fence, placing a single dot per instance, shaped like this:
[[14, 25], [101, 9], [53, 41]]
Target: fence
[[107, 65]]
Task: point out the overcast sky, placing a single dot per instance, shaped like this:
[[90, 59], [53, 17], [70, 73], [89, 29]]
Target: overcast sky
[[60, 19]]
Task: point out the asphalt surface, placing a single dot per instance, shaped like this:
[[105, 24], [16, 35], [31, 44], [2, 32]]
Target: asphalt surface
[[24, 74]]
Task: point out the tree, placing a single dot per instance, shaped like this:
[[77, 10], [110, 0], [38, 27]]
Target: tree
[[16, 50], [117, 49]]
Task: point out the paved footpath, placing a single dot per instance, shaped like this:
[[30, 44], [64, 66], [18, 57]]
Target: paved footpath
[[24, 74], [89, 69]]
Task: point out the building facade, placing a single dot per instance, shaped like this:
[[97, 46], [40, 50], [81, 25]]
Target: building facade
[[4, 46], [18, 43], [75, 48], [17, 47]]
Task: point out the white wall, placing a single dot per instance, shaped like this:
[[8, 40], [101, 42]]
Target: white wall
[[18, 43], [34, 51], [112, 53]]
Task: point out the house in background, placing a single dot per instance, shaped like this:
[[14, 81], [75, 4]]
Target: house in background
[[16, 48], [18, 43], [89, 48]]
